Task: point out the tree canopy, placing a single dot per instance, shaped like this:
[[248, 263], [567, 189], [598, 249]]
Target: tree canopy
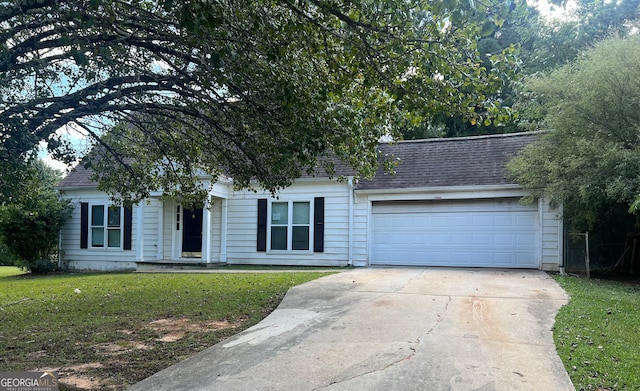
[[547, 44], [256, 90], [590, 159]]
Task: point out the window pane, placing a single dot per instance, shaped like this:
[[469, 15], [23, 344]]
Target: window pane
[[97, 215], [279, 213], [113, 238], [300, 213], [97, 237], [300, 238], [278, 238], [114, 216]]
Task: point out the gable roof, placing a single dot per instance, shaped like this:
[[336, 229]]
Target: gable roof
[[464, 161]]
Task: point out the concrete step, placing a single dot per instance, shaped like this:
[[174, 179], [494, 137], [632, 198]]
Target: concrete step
[[169, 265]]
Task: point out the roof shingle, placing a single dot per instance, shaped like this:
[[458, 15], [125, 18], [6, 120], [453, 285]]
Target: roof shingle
[[466, 161]]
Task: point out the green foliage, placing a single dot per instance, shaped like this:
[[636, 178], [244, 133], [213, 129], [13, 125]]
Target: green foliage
[[255, 90], [30, 225], [596, 334], [7, 258], [547, 44], [67, 328], [591, 158]]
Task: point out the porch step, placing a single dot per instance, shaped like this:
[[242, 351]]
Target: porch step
[[168, 265]]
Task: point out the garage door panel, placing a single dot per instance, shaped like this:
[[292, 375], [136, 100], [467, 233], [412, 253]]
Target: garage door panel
[[485, 233], [503, 240]]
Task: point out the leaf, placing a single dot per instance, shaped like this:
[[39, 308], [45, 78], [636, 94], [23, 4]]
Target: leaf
[[488, 28]]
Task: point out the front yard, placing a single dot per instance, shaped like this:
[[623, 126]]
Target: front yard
[[598, 334], [107, 331]]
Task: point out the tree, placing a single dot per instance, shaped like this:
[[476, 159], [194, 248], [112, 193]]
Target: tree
[[30, 225], [257, 90], [590, 160], [547, 44]]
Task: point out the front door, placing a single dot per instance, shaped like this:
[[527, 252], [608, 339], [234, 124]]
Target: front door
[[192, 233]]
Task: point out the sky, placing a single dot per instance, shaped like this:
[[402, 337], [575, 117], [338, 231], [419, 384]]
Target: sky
[[553, 12]]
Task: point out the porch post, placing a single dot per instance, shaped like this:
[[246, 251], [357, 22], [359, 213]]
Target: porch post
[[140, 231], [159, 240], [206, 232], [223, 231]]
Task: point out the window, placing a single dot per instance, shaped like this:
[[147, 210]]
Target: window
[[106, 226], [290, 225]]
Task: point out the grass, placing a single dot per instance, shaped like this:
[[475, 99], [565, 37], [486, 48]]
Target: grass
[[597, 334], [115, 327]]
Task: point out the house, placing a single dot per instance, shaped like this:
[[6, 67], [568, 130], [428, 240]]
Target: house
[[448, 204]]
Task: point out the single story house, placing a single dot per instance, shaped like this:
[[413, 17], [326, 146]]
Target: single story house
[[448, 204]]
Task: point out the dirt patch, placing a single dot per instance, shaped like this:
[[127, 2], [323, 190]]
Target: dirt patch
[[117, 355], [172, 330], [75, 378], [115, 348]]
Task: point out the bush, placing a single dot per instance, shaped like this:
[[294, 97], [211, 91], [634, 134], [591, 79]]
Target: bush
[[7, 258], [30, 224], [31, 233]]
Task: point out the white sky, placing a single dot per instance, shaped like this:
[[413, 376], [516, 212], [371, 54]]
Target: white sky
[[554, 12]]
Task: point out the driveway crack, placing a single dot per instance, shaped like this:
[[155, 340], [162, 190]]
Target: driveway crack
[[413, 348]]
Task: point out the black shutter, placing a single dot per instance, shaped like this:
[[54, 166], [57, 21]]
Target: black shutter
[[318, 224], [84, 224], [262, 225], [128, 217]]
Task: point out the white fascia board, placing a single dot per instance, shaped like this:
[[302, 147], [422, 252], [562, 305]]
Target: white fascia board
[[444, 193]]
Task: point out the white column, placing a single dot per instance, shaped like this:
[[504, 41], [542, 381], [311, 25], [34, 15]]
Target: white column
[[223, 231], [140, 231], [160, 238], [206, 232]]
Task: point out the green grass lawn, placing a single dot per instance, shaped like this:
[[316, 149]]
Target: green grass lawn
[[597, 334], [111, 330]]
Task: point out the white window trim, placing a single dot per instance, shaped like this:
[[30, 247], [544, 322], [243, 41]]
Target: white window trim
[[290, 226], [105, 227]]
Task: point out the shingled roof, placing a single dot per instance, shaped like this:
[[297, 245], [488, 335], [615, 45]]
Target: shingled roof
[[77, 178], [465, 161]]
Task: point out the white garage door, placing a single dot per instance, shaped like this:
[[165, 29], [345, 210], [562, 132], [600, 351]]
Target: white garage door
[[490, 233]]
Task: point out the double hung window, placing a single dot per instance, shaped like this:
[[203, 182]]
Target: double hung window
[[290, 224], [106, 226]]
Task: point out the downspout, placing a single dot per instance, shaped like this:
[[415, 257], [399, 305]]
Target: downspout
[[223, 232], [60, 250], [350, 259]]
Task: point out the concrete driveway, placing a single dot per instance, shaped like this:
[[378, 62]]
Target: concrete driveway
[[392, 329]]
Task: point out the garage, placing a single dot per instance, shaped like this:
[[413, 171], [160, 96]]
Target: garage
[[499, 233]]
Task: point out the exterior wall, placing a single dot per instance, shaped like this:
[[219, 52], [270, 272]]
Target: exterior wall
[[103, 259], [551, 228], [242, 225], [169, 229], [342, 246], [361, 220], [215, 236]]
